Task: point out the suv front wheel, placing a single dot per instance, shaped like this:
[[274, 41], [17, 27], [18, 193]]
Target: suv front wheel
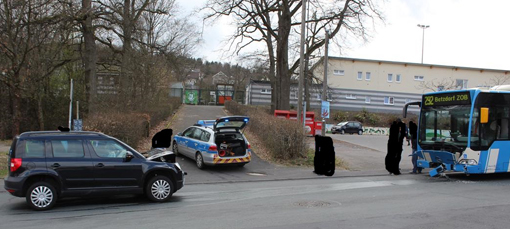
[[159, 189], [41, 196]]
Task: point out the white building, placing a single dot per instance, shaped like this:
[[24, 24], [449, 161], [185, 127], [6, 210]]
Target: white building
[[383, 86]]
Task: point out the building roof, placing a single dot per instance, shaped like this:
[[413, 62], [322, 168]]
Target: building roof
[[410, 63]]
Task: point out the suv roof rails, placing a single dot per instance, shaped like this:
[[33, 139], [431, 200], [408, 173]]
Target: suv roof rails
[[40, 133]]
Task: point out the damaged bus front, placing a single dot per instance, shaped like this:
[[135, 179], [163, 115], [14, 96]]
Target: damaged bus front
[[464, 131]]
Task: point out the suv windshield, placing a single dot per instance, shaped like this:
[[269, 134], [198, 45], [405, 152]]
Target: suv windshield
[[341, 124], [444, 127]]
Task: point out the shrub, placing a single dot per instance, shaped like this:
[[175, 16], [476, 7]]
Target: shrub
[[284, 139], [130, 127]]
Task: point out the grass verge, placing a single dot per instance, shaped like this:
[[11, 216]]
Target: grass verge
[[3, 164], [306, 161]]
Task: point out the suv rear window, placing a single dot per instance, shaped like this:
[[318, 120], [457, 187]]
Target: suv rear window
[[67, 148], [30, 149]]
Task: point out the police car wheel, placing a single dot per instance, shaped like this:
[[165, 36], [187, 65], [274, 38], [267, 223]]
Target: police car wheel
[[199, 159]]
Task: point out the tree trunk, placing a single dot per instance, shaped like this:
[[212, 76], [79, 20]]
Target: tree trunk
[[272, 71], [127, 85], [282, 58], [16, 112], [90, 55], [40, 113], [307, 83]]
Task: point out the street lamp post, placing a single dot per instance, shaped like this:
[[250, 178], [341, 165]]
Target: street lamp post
[[423, 27]]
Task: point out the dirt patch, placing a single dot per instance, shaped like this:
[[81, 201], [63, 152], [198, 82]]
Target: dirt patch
[[3, 164], [146, 144], [5, 145]]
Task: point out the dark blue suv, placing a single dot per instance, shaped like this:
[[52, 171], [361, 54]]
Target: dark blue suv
[[48, 165]]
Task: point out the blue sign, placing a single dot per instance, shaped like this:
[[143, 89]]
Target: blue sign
[[77, 125], [325, 109]]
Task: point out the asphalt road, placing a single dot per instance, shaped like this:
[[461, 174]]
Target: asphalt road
[[367, 152], [257, 169], [343, 202]]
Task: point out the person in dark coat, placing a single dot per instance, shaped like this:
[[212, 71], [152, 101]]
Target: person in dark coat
[[402, 134], [392, 149], [413, 132]]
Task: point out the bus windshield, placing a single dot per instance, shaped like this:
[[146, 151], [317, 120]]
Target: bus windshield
[[444, 127]]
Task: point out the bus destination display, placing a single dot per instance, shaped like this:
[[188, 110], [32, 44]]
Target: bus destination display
[[446, 99]]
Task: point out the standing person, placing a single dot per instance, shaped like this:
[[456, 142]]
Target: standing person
[[413, 131], [392, 149], [399, 148], [408, 137]]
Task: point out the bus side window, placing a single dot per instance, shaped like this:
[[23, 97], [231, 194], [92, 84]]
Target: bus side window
[[504, 129]]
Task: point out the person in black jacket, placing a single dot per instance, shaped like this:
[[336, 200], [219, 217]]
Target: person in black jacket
[[413, 131], [402, 134], [395, 142], [392, 149]]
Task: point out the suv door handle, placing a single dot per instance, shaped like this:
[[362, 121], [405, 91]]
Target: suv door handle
[[56, 165], [100, 165]]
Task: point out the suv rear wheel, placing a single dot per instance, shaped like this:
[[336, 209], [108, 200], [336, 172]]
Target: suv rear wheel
[[360, 132], [41, 196], [159, 189]]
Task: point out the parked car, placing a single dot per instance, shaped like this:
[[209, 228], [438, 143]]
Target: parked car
[[221, 144], [350, 127], [48, 165]]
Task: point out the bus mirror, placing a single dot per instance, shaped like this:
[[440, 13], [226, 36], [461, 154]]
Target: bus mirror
[[484, 115]]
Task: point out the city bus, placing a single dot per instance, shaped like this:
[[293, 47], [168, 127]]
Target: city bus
[[464, 131]]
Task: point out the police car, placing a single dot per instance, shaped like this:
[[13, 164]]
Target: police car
[[221, 143]]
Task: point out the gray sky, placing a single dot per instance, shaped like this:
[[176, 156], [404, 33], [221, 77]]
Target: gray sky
[[467, 33]]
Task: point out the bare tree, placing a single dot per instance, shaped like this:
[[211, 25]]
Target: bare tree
[[498, 80], [444, 84], [272, 22], [33, 40]]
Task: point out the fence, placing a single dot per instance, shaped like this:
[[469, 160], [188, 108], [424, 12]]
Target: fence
[[207, 97]]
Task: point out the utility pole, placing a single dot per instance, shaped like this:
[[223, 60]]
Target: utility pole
[[325, 81], [423, 27], [301, 63], [70, 104]]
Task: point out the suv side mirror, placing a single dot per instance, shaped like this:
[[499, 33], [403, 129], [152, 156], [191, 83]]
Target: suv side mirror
[[129, 156]]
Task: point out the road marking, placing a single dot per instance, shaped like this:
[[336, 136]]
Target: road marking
[[254, 193]]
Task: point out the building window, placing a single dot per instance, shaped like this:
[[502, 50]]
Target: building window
[[440, 88], [318, 96], [388, 100], [293, 95], [367, 76], [367, 99], [398, 78], [419, 78], [360, 75], [330, 96], [350, 96], [461, 84], [338, 72], [265, 91], [390, 77]]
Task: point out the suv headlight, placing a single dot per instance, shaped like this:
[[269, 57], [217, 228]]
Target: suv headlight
[[178, 166], [468, 162]]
